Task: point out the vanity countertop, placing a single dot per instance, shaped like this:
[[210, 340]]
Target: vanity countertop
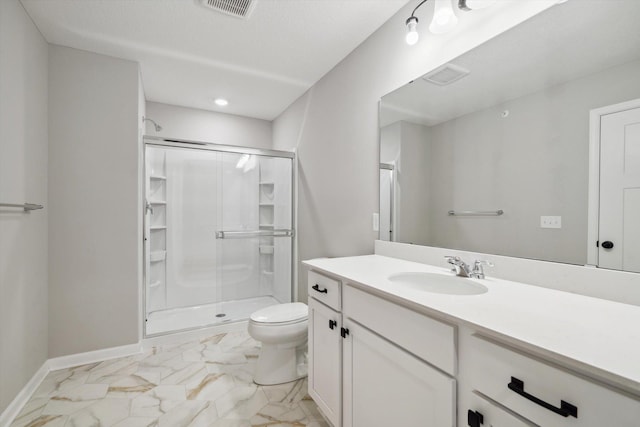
[[596, 337]]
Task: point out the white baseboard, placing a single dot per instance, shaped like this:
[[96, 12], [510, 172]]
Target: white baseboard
[[63, 362], [69, 361], [78, 359], [14, 408]]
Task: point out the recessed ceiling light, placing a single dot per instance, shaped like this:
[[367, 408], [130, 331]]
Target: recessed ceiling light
[[221, 102]]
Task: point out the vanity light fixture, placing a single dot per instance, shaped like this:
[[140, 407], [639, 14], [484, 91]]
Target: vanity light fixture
[[444, 19], [221, 102], [412, 34]]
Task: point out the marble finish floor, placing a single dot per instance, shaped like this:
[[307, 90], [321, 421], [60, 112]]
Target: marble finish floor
[[205, 383]]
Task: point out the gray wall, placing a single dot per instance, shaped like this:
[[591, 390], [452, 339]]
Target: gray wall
[[532, 163], [23, 177], [335, 125], [208, 126], [94, 210]]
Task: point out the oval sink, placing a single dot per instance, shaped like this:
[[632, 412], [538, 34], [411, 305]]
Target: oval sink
[[438, 283]]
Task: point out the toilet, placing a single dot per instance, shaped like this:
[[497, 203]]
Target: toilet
[[282, 330]]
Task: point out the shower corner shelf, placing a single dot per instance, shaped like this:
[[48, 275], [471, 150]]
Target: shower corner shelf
[[158, 227], [158, 177], [267, 226], [158, 202], [154, 284], [267, 205], [266, 249], [267, 183], [158, 256]]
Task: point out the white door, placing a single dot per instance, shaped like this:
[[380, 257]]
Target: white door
[[385, 386], [325, 360], [619, 228]]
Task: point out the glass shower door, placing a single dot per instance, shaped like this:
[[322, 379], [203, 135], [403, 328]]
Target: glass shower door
[[218, 230], [256, 233]]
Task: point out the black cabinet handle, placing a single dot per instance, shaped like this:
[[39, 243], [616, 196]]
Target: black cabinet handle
[[565, 408], [344, 332], [316, 288], [607, 245], [332, 324], [474, 418]]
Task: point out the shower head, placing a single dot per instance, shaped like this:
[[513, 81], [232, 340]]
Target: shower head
[[157, 127]]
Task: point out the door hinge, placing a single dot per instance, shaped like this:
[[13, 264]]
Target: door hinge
[[344, 332]]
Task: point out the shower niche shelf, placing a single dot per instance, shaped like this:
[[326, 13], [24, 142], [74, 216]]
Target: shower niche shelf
[[266, 249], [158, 256], [156, 196]]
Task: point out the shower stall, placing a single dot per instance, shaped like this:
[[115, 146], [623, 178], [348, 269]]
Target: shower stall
[[218, 233]]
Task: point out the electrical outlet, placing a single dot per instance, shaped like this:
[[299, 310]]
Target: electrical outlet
[[550, 222], [376, 222]]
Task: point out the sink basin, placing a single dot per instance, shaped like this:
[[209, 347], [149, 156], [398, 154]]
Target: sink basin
[[438, 283]]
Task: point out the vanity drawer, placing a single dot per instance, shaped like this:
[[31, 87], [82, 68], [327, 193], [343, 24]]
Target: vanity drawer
[[518, 381], [482, 412], [324, 289], [427, 338]]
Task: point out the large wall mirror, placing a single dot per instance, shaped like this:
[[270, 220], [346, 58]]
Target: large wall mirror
[[491, 152]]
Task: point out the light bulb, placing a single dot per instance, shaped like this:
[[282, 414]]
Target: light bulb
[[444, 19], [221, 102], [412, 33]]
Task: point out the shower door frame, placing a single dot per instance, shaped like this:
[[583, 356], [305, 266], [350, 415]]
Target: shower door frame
[[156, 141]]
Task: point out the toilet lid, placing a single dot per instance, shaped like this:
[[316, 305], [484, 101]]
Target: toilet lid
[[280, 313]]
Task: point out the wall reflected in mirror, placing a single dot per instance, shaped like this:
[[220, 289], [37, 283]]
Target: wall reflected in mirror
[[506, 127]]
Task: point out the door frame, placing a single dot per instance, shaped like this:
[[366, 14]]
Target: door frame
[[593, 211]]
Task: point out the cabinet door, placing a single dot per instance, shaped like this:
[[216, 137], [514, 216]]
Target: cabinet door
[[325, 360], [386, 386]]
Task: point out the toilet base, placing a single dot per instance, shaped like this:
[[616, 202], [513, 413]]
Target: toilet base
[[278, 365]]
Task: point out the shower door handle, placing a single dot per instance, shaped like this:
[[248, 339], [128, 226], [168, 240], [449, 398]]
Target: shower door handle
[[316, 288]]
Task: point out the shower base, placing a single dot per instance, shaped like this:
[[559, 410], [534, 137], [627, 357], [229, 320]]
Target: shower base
[[180, 319]]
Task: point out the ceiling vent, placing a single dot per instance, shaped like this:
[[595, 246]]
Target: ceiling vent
[[237, 8], [446, 74]]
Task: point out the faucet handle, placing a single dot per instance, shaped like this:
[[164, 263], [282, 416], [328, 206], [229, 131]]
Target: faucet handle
[[451, 259], [478, 270], [481, 262]]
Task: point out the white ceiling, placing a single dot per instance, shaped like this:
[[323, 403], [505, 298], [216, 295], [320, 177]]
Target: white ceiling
[[189, 54], [568, 41]]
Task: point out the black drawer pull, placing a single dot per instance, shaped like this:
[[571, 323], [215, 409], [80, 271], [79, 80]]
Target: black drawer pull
[[474, 418], [565, 408], [332, 324], [316, 288]]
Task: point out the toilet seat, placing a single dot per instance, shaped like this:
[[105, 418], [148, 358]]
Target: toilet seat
[[281, 314]]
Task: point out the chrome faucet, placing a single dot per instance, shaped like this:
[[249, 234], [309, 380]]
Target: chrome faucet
[[462, 269]]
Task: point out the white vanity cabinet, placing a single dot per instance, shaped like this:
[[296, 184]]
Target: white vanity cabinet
[[536, 390], [382, 357], [374, 363], [325, 346], [393, 359]]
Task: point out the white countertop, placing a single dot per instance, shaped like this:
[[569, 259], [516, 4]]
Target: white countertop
[[596, 337]]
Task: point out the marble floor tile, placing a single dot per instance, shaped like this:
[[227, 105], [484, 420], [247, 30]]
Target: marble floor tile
[[197, 383]]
